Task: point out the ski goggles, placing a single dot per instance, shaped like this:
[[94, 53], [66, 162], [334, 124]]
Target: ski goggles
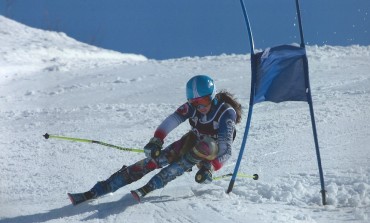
[[201, 102]]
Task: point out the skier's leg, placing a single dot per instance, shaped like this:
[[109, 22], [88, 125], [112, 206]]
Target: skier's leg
[[177, 149], [127, 175], [205, 149], [124, 176], [166, 175]]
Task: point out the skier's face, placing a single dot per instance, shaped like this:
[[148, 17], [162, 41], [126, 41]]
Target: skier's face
[[204, 110], [202, 104]]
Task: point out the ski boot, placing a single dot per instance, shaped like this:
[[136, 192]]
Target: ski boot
[[78, 198], [141, 192]]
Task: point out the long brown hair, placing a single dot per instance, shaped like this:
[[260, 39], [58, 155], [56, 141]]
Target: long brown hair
[[227, 97]]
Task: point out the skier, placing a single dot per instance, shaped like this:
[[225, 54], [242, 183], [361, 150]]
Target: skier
[[207, 145]]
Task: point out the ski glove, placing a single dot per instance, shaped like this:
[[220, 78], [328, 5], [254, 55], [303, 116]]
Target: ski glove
[[153, 148], [204, 175]]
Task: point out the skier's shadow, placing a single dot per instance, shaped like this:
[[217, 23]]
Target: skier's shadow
[[100, 211]]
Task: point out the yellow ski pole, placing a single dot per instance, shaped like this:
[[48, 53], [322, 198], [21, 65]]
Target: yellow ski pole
[[242, 175], [47, 136]]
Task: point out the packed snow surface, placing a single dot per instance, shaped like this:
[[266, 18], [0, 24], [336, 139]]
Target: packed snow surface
[[52, 83]]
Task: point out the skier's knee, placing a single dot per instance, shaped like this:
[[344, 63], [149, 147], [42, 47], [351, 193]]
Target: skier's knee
[[140, 168], [206, 148], [100, 188]]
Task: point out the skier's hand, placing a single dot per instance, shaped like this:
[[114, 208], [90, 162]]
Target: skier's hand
[[205, 164], [204, 175], [153, 148]]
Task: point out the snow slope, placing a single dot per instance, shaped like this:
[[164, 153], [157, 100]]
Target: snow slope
[[27, 50], [51, 83]]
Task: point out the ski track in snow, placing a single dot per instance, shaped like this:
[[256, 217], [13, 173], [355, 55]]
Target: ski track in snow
[[120, 99]]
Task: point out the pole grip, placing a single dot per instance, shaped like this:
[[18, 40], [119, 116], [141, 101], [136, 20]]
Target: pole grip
[[156, 152]]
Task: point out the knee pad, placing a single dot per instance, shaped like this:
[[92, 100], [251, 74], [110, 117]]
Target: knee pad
[[206, 148]]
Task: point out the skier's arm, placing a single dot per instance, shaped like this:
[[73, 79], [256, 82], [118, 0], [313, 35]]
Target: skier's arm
[[225, 138], [172, 121]]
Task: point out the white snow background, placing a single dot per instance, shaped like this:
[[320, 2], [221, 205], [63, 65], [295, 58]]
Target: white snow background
[[52, 83]]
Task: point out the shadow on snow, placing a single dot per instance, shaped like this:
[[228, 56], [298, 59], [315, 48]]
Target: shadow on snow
[[100, 211]]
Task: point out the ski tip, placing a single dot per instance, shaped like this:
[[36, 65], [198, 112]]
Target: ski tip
[[71, 199], [135, 196]]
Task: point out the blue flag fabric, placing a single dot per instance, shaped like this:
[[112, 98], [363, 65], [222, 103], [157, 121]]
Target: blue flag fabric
[[280, 74]]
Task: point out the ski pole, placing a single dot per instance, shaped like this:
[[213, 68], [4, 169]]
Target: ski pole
[[242, 175], [47, 136]]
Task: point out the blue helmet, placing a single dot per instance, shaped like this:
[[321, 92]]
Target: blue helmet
[[200, 86]]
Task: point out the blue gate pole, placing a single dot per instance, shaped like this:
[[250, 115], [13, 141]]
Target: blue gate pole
[[309, 99], [251, 101], [251, 41], [237, 165]]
